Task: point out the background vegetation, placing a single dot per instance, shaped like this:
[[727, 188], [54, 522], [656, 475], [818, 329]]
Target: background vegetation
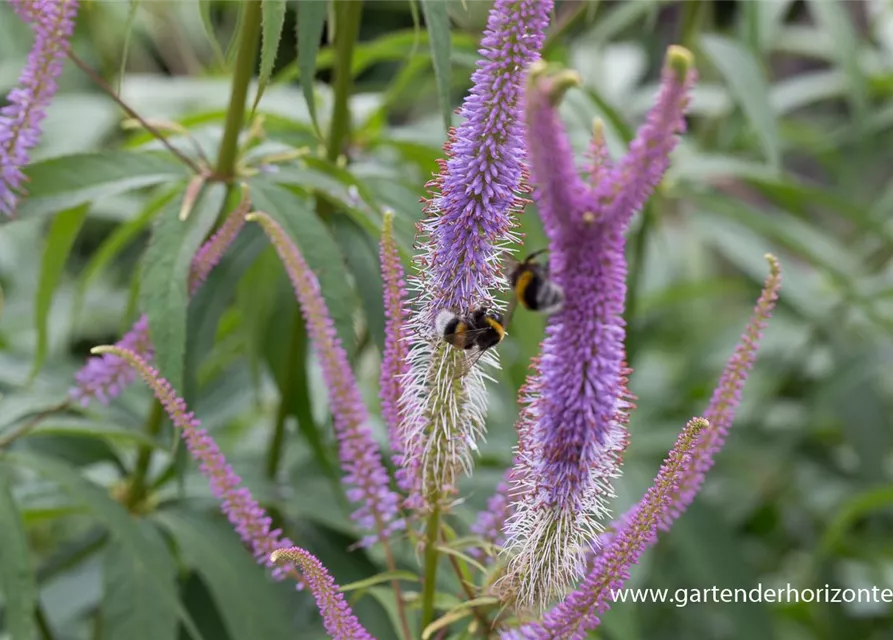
[[790, 150]]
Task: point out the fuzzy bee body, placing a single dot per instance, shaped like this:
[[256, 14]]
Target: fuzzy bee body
[[533, 288], [474, 333]]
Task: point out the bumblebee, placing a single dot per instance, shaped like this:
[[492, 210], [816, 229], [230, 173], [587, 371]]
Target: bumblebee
[[473, 333], [533, 288]]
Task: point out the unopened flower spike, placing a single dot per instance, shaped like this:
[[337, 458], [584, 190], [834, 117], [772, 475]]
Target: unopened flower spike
[[247, 517], [338, 619], [581, 609], [470, 217], [579, 394], [104, 377], [53, 24], [361, 460]]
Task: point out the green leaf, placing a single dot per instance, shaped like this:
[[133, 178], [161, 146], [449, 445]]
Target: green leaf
[[163, 278], [851, 511], [273, 17], [214, 297], [63, 183], [87, 428], [311, 19], [121, 524], [249, 603], [362, 258], [63, 231], [837, 22], [130, 610], [17, 581], [387, 576], [748, 84], [437, 20], [204, 9], [115, 244], [623, 16], [319, 249]]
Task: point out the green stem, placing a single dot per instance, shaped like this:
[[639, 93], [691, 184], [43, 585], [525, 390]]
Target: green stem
[[249, 37], [138, 486], [432, 535], [694, 15], [347, 29]]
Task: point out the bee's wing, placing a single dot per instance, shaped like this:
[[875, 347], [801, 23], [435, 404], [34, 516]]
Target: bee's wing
[[468, 362]]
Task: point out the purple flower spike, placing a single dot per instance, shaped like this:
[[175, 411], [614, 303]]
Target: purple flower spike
[[105, 378], [243, 511], [470, 219], [211, 252], [580, 610], [393, 362], [338, 619], [727, 396], [53, 23], [642, 169], [366, 477], [579, 398]]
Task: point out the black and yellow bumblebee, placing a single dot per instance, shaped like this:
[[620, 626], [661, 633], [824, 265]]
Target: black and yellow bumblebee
[[474, 333], [532, 287]]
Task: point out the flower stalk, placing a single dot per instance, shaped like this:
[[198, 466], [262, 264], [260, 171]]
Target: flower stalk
[[249, 39]]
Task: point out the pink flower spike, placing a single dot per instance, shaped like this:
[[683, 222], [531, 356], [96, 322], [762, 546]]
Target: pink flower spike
[[210, 253], [366, 477], [339, 621], [727, 395], [393, 362], [246, 515]]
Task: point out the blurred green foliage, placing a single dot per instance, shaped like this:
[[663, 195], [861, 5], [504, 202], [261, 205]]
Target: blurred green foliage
[[789, 151]]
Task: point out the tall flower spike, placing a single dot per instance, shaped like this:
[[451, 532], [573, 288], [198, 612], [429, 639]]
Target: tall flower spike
[[579, 395], [580, 610], [394, 364], [338, 619], [360, 454], [393, 361], [470, 220], [105, 377], [53, 23], [243, 511], [727, 395], [720, 413]]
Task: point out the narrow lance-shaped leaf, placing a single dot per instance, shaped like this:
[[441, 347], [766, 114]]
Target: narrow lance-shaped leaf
[[437, 21], [63, 232], [121, 524], [17, 583], [748, 85], [311, 19], [272, 19], [105, 376], [60, 183], [164, 274]]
